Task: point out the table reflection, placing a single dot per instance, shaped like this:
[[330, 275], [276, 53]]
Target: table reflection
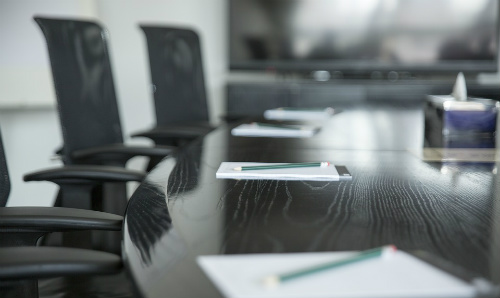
[[181, 211]]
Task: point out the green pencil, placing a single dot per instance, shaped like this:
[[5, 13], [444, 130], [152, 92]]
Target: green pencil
[[278, 126], [274, 280], [286, 165], [330, 110]]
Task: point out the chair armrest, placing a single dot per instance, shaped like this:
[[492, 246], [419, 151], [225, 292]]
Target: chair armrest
[[176, 134], [160, 133], [120, 153], [39, 262], [229, 118], [187, 131], [53, 219], [189, 124], [85, 174]]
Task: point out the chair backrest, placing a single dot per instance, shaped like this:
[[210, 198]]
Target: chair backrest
[[177, 75], [83, 81], [4, 180]]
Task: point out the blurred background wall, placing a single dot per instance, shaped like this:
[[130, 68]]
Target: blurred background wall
[[28, 117]]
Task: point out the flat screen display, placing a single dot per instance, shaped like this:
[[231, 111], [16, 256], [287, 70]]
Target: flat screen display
[[364, 35]]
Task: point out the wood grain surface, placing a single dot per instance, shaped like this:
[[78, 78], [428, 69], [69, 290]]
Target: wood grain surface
[[450, 210]]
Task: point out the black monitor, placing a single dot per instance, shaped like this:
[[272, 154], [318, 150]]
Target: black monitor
[[362, 36]]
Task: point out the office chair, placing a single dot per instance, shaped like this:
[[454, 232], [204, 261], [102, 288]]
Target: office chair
[[21, 263], [179, 86], [86, 101], [77, 189]]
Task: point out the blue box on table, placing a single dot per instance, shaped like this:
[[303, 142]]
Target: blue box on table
[[448, 119]]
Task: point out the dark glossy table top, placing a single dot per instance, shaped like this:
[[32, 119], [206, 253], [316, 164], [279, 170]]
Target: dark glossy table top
[[181, 210]]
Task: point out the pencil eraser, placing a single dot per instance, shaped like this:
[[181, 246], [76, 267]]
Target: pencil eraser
[[388, 251]]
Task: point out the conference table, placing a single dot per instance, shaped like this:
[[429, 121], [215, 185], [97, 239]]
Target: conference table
[[450, 210]]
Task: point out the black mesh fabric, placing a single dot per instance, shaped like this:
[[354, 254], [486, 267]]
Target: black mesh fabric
[[4, 181], [177, 75], [83, 82]]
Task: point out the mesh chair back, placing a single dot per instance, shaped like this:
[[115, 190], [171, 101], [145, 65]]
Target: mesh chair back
[[177, 75], [83, 82], [4, 179]]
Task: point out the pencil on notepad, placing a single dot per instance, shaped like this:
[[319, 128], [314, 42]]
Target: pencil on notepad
[[274, 280], [329, 110], [278, 126], [286, 165]]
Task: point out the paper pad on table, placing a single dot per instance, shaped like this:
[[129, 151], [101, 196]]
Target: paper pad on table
[[328, 173], [403, 275], [298, 114], [290, 131]]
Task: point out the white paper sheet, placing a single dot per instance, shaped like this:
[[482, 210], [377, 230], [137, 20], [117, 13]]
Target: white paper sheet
[[226, 171], [240, 276], [298, 114], [288, 131]]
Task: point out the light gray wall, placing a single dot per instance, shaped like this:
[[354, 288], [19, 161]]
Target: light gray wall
[[24, 72], [30, 137], [27, 115]]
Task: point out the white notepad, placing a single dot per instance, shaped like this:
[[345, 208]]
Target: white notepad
[[328, 173], [403, 275], [285, 131], [298, 114]]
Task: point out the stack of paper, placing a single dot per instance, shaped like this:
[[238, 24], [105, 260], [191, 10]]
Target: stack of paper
[[298, 114], [402, 275], [276, 131], [327, 173]]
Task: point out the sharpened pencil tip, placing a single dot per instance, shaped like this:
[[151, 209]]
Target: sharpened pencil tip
[[271, 281], [237, 169]]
